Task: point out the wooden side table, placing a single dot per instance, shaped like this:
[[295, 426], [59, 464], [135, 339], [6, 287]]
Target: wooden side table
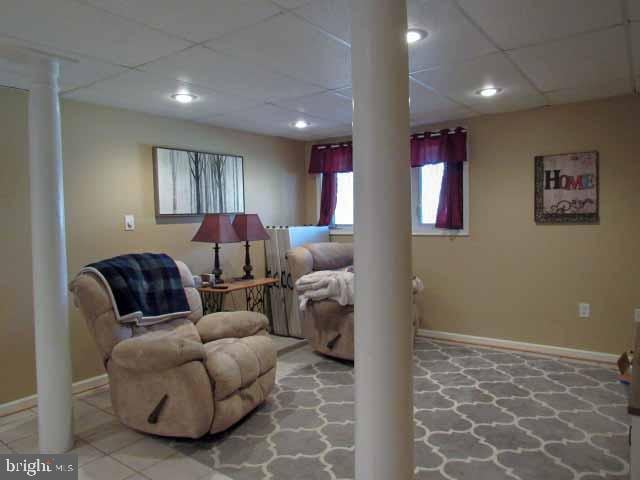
[[255, 293]]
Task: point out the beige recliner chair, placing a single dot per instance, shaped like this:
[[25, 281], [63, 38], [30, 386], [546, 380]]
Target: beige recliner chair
[[325, 323], [185, 377]]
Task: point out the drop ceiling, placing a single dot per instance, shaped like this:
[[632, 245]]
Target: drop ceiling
[[260, 65]]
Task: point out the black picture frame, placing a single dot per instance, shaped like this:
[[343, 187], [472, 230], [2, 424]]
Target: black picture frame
[[156, 183]]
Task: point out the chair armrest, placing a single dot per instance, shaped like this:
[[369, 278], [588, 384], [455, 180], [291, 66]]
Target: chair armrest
[[231, 325], [156, 352], [300, 262]]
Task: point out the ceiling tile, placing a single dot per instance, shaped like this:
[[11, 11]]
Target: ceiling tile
[[344, 92], [326, 133], [72, 74], [195, 20], [290, 4], [452, 38], [513, 24], [423, 100], [325, 105], [592, 58], [334, 16], [461, 82], [301, 52], [145, 92], [617, 87], [225, 73], [502, 104], [438, 116], [80, 29], [440, 18], [272, 120]]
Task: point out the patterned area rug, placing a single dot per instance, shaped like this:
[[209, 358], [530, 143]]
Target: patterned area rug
[[480, 414]]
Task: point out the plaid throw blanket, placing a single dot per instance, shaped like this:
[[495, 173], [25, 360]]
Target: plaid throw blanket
[[145, 288]]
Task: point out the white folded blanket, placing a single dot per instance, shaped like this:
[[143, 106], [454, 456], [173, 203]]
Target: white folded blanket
[[326, 284], [333, 285]]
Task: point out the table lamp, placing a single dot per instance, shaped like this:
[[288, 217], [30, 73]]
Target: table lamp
[[248, 227], [216, 228]]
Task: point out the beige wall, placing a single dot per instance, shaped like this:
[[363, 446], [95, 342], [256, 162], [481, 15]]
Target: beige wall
[[108, 173], [512, 279]]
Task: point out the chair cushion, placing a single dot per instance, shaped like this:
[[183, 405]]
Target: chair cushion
[[216, 326], [330, 255], [180, 327], [234, 363]]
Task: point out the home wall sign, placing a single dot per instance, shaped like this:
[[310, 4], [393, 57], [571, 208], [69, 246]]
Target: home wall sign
[[567, 188]]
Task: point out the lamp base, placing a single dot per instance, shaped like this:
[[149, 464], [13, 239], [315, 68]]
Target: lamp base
[[247, 264], [247, 275], [217, 271]]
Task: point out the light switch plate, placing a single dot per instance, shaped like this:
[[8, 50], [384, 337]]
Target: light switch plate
[[584, 310], [129, 222], [637, 315]]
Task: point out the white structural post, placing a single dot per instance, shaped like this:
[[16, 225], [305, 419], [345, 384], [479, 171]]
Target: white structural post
[[49, 252], [382, 242]]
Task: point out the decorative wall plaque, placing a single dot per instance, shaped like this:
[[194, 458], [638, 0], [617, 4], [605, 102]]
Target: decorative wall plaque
[[567, 188]]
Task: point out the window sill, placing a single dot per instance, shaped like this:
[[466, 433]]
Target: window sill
[[339, 231]]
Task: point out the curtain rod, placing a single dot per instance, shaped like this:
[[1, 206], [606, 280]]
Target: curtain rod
[[418, 135]]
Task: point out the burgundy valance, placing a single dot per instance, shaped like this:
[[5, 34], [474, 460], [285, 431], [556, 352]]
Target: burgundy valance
[[445, 146], [331, 158]]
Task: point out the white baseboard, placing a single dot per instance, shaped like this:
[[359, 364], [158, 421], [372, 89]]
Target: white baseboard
[[521, 346], [32, 400]]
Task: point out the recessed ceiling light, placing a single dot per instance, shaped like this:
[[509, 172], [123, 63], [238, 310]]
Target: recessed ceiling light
[[414, 35], [489, 91], [301, 124], [183, 97]]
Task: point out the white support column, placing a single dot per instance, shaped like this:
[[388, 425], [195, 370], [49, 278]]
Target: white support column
[[382, 242], [50, 297]]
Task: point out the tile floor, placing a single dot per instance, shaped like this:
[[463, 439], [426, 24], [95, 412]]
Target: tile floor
[[107, 450]]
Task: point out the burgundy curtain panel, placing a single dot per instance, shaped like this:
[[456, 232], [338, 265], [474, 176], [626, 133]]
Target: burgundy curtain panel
[[451, 206], [329, 160], [428, 148], [450, 148], [328, 198]]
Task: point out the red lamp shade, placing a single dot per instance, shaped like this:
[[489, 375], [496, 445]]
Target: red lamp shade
[[216, 228], [249, 227]]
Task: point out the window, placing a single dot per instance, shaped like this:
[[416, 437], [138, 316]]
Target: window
[[430, 182], [426, 182], [344, 203]]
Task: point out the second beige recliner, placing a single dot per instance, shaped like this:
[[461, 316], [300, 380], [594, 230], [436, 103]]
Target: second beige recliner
[[184, 377], [326, 324]]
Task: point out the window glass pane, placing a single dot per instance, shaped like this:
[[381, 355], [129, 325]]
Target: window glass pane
[[430, 183], [344, 205]]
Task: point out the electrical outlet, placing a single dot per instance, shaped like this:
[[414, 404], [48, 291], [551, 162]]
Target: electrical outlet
[[129, 222], [584, 310], [637, 315]]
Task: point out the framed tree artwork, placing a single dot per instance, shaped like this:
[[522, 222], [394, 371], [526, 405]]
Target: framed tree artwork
[[189, 182], [567, 188]]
